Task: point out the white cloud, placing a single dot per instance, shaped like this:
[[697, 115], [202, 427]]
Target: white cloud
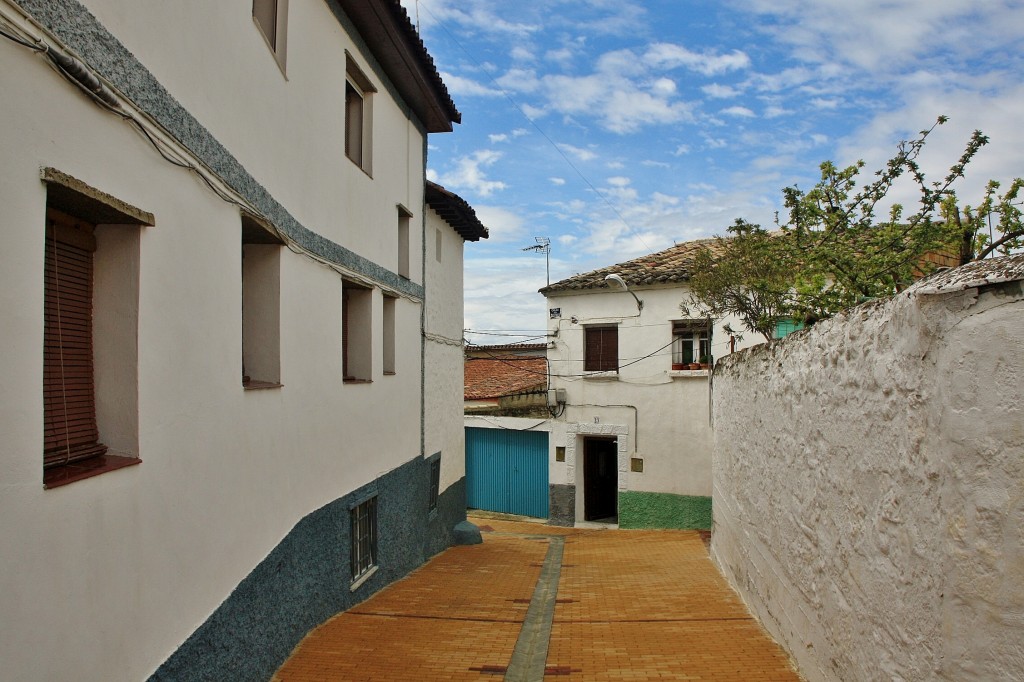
[[501, 137], [467, 87], [618, 181], [614, 165], [533, 112], [504, 225], [519, 80], [885, 35], [738, 111], [577, 153], [681, 150], [651, 163], [825, 103], [718, 91], [558, 182], [671, 56], [469, 174], [663, 86]]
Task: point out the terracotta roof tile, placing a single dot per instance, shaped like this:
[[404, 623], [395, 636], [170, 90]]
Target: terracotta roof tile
[[672, 265], [493, 378]]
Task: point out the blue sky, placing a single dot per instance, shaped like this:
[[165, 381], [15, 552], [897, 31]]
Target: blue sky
[[616, 128]]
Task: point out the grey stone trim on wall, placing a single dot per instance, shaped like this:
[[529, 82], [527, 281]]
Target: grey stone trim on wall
[[561, 505], [73, 24], [305, 579]]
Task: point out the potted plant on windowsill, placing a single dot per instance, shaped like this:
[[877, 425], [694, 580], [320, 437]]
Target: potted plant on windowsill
[[676, 366], [704, 364]]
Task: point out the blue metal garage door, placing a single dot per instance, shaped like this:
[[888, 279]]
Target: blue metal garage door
[[507, 471]]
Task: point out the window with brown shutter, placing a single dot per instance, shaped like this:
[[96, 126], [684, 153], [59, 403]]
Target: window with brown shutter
[[69, 402], [601, 349]]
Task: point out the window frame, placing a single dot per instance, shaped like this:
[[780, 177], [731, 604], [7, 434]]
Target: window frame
[[276, 36], [602, 362], [434, 483], [260, 279], [112, 338], [356, 332], [358, 134], [363, 546], [691, 341]]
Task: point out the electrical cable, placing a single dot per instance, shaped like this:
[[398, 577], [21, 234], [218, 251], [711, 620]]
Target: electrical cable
[[84, 79]]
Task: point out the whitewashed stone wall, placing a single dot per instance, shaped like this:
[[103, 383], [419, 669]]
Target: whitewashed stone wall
[[869, 486]]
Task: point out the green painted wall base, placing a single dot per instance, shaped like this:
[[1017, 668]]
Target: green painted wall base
[[664, 510]]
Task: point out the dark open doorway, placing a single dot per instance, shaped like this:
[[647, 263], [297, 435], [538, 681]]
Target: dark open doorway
[[600, 479]]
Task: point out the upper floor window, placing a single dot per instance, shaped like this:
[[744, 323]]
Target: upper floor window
[[261, 306], [358, 116], [404, 221], [601, 349], [272, 18], [691, 343], [356, 332]]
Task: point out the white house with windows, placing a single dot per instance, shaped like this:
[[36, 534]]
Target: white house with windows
[[630, 379], [231, 310]]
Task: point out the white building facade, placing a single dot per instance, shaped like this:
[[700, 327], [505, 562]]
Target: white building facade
[[219, 287], [630, 374]]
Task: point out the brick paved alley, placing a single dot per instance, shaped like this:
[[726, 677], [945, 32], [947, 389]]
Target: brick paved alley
[[537, 602]]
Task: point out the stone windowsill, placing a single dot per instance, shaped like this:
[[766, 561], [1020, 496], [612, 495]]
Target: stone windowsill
[[688, 373], [601, 376]]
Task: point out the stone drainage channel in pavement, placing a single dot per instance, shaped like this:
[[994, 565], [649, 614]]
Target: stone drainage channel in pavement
[[531, 652]]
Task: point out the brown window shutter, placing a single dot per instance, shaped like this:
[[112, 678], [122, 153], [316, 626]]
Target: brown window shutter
[[69, 406], [601, 349]]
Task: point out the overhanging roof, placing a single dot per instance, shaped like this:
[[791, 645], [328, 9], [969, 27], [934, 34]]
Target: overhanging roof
[[390, 35], [456, 212]]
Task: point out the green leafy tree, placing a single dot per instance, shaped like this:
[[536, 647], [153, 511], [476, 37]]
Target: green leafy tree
[[834, 249]]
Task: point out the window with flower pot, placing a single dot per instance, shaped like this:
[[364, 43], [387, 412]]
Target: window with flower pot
[[691, 344]]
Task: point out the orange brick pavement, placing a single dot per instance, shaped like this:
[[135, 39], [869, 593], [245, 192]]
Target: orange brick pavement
[[631, 605]]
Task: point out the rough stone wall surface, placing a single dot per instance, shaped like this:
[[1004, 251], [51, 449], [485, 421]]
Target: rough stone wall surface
[[561, 505], [869, 487]]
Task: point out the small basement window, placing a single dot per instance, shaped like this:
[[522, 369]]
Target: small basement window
[[363, 548]]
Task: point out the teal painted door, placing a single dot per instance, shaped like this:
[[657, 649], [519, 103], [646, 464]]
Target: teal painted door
[[507, 471]]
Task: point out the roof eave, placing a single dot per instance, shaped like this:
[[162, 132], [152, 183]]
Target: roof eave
[[387, 30], [455, 211]]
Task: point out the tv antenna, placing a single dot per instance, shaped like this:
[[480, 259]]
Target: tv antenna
[[543, 245]]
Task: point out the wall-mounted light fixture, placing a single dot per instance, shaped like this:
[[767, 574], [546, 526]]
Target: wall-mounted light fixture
[[622, 283]]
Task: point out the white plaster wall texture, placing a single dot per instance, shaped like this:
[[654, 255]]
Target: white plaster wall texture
[[226, 473], [667, 412], [443, 361], [869, 489], [286, 128]]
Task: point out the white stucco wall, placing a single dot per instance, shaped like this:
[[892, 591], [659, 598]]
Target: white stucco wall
[[285, 128], [443, 357], [869, 488], [659, 415], [124, 566]]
